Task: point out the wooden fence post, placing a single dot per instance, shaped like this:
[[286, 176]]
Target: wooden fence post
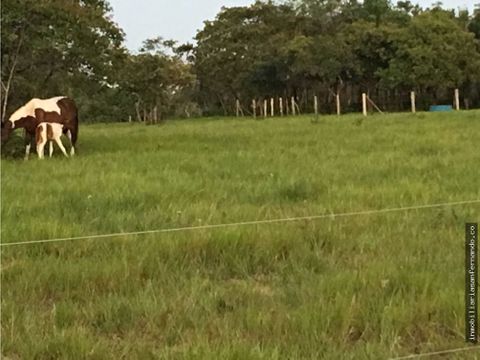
[[265, 109], [293, 106], [457, 100], [280, 101], [254, 108], [364, 104], [272, 107], [412, 100], [315, 104], [337, 97], [237, 107]]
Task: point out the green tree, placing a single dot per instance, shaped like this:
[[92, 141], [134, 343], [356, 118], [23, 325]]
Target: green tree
[[50, 45], [155, 79], [240, 54], [376, 9], [434, 52], [474, 24]]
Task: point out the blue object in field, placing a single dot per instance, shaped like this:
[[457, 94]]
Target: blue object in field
[[441, 108]]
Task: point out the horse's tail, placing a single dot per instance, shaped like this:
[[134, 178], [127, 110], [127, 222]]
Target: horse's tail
[[72, 121], [75, 135]]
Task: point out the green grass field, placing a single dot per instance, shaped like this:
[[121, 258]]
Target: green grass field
[[361, 287]]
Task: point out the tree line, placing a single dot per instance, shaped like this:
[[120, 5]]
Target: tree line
[[296, 48]]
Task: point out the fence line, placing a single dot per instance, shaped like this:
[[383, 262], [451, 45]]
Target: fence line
[[362, 102], [244, 223], [443, 352]]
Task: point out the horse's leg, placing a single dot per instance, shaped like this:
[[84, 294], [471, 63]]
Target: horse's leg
[[50, 150], [40, 149], [70, 137], [73, 135], [28, 144], [41, 142], [60, 145]]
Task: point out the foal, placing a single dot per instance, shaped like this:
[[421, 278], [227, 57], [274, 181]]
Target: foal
[[49, 132]]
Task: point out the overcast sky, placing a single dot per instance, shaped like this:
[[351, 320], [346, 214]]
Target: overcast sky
[[180, 19]]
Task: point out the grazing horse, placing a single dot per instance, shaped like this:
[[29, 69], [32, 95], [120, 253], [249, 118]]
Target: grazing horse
[[49, 132], [60, 109]]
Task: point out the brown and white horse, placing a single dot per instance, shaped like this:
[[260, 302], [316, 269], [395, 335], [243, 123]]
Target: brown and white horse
[[61, 109], [49, 132]]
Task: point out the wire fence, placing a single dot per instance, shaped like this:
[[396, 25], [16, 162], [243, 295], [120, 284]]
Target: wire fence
[[244, 223], [332, 216], [347, 100], [437, 353]]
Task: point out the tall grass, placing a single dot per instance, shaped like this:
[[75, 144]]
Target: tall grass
[[363, 287]]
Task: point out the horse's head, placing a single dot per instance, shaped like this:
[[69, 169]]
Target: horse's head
[[7, 129], [22, 118]]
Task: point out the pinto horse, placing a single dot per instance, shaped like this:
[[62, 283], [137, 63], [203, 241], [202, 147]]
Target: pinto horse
[[60, 109], [49, 132]]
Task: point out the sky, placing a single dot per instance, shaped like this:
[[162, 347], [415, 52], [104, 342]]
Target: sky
[[181, 19]]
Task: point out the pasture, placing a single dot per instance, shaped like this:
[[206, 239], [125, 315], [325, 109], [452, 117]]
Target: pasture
[[361, 287]]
